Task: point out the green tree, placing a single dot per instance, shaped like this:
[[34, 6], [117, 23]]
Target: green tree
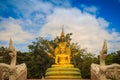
[[113, 57], [83, 61], [109, 59], [4, 55], [40, 60], [116, 57]]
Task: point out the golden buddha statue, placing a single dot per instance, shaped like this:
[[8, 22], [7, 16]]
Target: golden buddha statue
[[62, 69], [62, 51]]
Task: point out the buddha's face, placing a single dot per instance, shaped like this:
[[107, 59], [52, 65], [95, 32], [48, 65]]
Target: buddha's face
[[62, 49], [62, 38]]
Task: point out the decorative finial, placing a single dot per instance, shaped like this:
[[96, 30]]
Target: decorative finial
[[104, 49], [103, 53], [62, 34], [11, 47]]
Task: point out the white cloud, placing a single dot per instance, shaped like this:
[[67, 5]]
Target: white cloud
[[104, 24], [11, 28], [31, 7], [61, 3], [30, 16], [90, 9], [87, 30], [36, 10]]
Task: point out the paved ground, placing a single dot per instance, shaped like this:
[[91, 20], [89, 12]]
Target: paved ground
[[58, 79]]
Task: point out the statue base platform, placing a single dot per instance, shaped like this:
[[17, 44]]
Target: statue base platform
[[62, 65], [63, 71]]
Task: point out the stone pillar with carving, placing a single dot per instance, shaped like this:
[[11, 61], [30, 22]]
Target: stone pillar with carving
[[13, 71], [12, 53], [103, 68]]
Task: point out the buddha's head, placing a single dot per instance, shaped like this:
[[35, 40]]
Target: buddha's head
[[62, 37]]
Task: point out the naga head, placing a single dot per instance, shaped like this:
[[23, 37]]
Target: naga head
[[104, 49], [12, 51], [103, 54]]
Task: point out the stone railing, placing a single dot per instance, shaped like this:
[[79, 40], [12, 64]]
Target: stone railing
[[103, 71], [95, 71], [12, 71], [1, 75], [20, 72], [112, 71]]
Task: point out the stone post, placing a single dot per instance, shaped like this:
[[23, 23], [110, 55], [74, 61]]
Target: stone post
[[103, 68], [12, 53]]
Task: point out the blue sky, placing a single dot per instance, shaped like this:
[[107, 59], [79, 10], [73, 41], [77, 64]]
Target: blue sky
[[90, 22]]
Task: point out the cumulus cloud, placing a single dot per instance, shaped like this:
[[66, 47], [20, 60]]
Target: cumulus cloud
[[90, 9], [22, 20], [88, 30], [36, 7], [28, 8], [11, 28]]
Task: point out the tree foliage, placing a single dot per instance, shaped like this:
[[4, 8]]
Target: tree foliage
[[83, 61], [40, 59], [113, 57], [4, 56]]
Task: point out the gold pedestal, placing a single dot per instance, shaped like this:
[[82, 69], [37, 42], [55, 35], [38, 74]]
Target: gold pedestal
[[64, 71]]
